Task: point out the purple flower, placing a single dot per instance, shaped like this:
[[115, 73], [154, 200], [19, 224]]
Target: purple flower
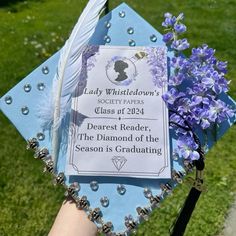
[[168, 37], [180, 28], [214, 109], [171, 96], [221, 66], [176, 80], [202, 117], [202, 53], [200, 100], [169, 20], [180, 44], [187, 147], [179, 63], [221, 85], [208, 82], [184, 105], [199, 79], [177, 119], [167, 15], [219, 111], [205, 123]]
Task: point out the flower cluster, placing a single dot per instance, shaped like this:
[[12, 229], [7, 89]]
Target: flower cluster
[[195, 87], [175, 28]]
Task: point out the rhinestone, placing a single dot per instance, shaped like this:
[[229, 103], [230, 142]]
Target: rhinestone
[[147, 193], [175, 156], [94, 185], [76, 186], [130, 30], [121, 189], [108, 24], [41, 86], [122, 14], [27, 88], [40, 136], [107, 39], [132, 43], [153, 38], [25, 110], [8, 100], [104, 201], [45, 70]]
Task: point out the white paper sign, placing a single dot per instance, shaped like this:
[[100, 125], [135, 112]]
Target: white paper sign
[[119, 122]]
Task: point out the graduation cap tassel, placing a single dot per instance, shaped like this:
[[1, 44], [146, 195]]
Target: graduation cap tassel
[[190, 203], [197, 188]]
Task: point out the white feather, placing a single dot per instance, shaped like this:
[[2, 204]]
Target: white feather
[[69, 66]]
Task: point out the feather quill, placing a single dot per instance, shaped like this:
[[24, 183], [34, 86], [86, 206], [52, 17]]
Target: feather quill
[[69, 67]]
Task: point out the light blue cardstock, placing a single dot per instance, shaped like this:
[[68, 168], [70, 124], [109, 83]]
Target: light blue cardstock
[[121, 27]]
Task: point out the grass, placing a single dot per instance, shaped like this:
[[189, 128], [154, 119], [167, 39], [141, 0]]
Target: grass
[[32, 31]]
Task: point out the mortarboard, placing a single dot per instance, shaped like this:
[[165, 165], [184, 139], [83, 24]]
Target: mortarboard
[[116, 197]]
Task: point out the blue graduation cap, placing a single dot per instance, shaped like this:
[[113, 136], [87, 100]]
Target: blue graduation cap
[[118, 204]]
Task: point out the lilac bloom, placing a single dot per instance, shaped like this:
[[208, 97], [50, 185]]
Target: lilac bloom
[[169, 20], [222, 110], [215, 110], [168, 37], [197, 90], [229, 112], [180, 28], [202, 53], [221, 85], [177, 119], [221, 66], [171, 96], [167, 15], [179, 63], [187, 147], [203, 118], [180, 44], [208, 82], [202, 78], [196, 100], [194, 116], [205, 123], [176, 80], [183, 105]]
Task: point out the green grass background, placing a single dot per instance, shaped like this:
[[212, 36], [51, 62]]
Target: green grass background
[[32, 31]]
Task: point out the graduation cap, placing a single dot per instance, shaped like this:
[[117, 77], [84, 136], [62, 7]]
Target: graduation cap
[[115, 204]]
